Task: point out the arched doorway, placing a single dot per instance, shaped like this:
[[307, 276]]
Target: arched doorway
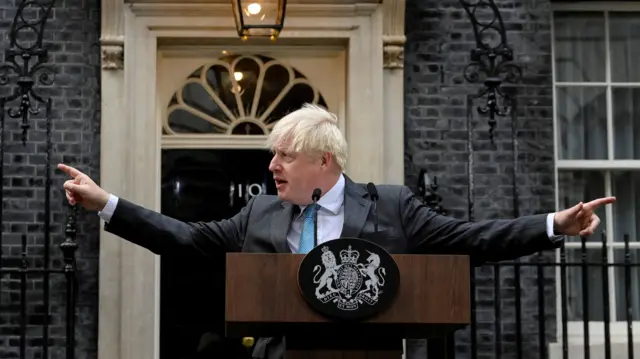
[[235, 96]]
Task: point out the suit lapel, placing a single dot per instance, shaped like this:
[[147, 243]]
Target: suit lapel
[[280, 226], [356, 209]]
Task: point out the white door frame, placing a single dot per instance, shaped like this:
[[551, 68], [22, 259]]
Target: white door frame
[[131, 135]]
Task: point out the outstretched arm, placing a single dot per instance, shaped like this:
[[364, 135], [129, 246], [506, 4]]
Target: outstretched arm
[[495, 240], [162, 234], [158, 233]]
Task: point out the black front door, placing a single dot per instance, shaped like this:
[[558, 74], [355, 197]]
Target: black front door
[[203, 185]]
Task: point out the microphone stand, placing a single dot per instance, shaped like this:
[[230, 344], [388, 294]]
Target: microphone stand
[[373, 193], [315, 197]]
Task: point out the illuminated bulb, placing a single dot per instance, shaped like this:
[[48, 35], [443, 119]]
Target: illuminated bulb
[[238, 75], [254, 8], [248, 342]]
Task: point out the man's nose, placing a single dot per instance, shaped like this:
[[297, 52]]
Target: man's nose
[[273, 165]]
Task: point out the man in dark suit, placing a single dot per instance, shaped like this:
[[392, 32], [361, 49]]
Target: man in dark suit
[[310, 152]]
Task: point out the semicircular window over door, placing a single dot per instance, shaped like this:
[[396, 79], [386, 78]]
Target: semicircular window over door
[[238, 95]]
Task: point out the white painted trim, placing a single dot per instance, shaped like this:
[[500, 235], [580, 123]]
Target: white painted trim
[[224, 28], [596, 6], [610, 119], [617, 330], [224, 10], [212, 141], [597, 84], [599, 165], [175, 51], [598, 244], [596, 351], [394, 126]]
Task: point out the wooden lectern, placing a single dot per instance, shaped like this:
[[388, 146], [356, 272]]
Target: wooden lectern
[[263, 299]]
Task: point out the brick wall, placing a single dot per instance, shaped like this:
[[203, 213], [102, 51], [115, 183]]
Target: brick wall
[[439, 37], [72, 33]]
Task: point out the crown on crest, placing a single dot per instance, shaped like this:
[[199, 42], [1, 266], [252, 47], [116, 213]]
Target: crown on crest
[[349, 256]]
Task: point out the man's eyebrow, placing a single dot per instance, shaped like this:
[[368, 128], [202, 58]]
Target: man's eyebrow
[[284, 150]]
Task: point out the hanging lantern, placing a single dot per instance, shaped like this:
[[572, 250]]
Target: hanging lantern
[[259, 18]]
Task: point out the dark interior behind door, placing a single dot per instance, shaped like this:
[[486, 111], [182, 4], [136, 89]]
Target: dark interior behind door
[[203, 185]]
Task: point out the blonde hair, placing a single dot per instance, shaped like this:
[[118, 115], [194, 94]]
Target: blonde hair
[[311, 130]]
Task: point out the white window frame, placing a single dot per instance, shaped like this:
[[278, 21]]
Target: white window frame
[[575, 329]]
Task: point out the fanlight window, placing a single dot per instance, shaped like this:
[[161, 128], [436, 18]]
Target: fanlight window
[[238, 95]]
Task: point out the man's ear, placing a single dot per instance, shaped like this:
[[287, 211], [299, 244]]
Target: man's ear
[[326, 159]]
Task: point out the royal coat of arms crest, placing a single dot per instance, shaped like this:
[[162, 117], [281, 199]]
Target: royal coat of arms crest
[[348, 275], [348, 278]]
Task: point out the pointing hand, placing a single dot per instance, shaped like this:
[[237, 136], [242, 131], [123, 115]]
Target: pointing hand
[[580, 219], [82, 190]]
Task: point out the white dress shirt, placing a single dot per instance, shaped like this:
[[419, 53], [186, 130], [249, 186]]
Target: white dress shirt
[[330, 217]]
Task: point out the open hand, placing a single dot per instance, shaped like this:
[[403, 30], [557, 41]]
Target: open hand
[[82, 190], [580, 219]]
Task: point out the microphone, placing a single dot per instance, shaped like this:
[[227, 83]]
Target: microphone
[[373, 193], [315, 197]]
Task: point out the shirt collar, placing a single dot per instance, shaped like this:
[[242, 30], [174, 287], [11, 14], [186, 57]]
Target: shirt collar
[[332, 200]]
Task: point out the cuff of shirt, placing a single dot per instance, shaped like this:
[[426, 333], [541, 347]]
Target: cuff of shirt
[[550, 231], [108, 210]]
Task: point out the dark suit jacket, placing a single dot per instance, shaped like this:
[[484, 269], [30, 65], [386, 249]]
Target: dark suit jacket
[[262, 226]]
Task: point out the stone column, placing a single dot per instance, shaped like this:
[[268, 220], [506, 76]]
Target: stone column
[[112, 105], [393, 40]]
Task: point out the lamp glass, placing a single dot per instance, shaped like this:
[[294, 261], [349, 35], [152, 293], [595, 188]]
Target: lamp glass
[[259, 17]]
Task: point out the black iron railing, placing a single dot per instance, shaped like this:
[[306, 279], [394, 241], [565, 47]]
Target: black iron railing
[[584, 265], [534, 328], [26, 274]]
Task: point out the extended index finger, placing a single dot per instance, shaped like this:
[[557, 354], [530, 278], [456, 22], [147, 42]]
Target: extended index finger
[[600, 202], [69, 170]]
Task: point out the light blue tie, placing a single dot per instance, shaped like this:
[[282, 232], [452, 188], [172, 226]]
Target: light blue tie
[[306, 237]]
